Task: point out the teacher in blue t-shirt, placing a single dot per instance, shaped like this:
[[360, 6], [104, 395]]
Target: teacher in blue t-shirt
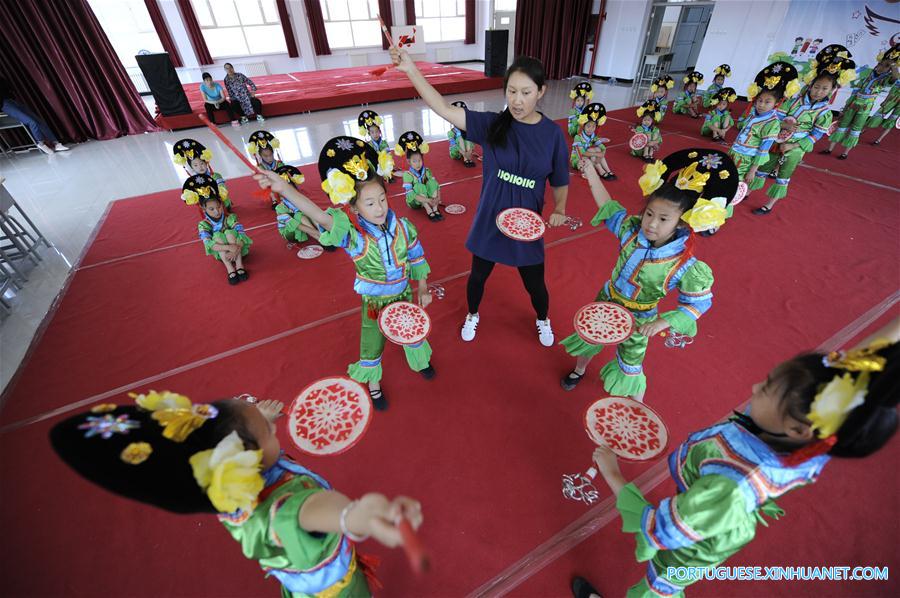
[[214, 99], [523, 150]]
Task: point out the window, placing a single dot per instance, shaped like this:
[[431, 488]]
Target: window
[[433, 125], [240, 27], [128, 26], [351, 23], [443, 20], [504, 5]]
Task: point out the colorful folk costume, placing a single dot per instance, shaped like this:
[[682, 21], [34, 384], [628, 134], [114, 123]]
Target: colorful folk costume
[[386, 257], [595, 113], [366, 120], [644, 274], [416, 182], [288, 217], [859, 106], [198, 190], [169, 453], [688, 98], [803, 122], [887, 114], [660, 92], [825, 55], [585, 92], [458, 141], [720, 119], [759, 131], [259, 141], [728, 479], [724, 71], [186, 150], [654, 137]]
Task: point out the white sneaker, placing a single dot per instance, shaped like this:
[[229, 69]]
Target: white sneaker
[[45, 148], [235, 123], [545, 333], [59, 147], [469, 327], [259, 118]]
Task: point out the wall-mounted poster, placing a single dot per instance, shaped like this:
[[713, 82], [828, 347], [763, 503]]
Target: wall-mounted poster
[[410, 38]]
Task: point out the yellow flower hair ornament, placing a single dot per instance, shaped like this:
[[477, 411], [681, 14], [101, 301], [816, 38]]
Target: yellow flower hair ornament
[[179, 159], [175, 412], [833, 404], [398, 149], [223, 192], [706, 214], [189, 197], [771, 81], [252, 148], [640, 111], [846, 77], [358, 167], [859, 360], [423, 147], [385, 164], [229, 474], [752, 90], [136, 453], [652, 179], [792, 89], [691, 180], [206, 155], [339, 186], [582, 118]]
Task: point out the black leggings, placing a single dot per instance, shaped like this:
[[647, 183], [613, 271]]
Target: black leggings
[[532, 278], [226, 105]]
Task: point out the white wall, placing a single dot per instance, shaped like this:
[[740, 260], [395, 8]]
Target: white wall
[[622, 38], [308, 61], [741, 33]]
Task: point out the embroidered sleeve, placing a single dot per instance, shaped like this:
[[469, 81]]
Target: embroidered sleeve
[[820, 127], [409, 183], [342, 233], [713, 505], [694, 297]]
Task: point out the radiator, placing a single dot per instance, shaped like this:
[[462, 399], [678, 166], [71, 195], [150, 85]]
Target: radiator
[[359, 60], [255, 69], [137, 78], [443, 55]]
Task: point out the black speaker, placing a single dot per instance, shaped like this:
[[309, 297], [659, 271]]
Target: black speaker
[[496, 42], [164, 84]]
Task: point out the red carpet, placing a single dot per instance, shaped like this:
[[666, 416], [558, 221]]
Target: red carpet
[[319, 90], [484, 444]]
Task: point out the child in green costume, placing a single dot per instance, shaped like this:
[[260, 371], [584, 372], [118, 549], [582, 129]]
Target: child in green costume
[[718, 121], [650, 114], [887, 114], [422, 189], [460, 147], [195, 158], [224, 458], [728, 476], [581, 94], [588, 144], [659, 91], [804, 120], [385, 249], [293, 226], [220, 232], [690, 100], [857, 109], [656, 256], [709, 96]]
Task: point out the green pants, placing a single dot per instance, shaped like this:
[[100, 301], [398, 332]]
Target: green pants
[[371, 343], [219, 238], [786, 164], [624, 375], [887, 114], [455, 154], [853, 119]]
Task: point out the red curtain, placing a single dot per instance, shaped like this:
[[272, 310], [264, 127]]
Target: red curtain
[[470, 21], [410, 12], [317, 27], [554, 32], [194, 32], [288, 29], [159, 23], [384, 10], [61, 65]]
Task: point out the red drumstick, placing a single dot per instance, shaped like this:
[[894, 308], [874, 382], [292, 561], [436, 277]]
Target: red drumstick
[[228, 143], [384, 30], [415, 552]]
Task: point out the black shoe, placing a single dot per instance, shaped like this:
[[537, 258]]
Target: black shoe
[[469, 164], [762, 210], [428, 373], [571, 380], [581, 588], [876, 142], [611, 176], [243, 274], [233, 278], [825, 151], [379, 401], [329, 248], [843, 156]]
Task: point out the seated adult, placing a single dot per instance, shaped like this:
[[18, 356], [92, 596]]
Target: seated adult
[[43, 136], [214, 99], [241, 91]]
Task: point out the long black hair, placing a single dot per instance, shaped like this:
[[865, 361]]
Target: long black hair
[[870, 425], [534, 70]]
